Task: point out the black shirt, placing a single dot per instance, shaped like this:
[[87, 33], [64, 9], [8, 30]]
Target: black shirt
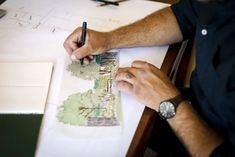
[[213, 81]]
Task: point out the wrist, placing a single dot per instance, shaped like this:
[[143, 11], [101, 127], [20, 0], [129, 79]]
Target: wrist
[[109, 40], [182, 112], [168, 96], [168, 108], [157, 99]]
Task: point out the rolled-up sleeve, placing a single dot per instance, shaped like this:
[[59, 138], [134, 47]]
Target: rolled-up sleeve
[[186, 15]]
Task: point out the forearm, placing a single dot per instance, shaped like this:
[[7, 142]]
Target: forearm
[[159, 28], [195, 134]]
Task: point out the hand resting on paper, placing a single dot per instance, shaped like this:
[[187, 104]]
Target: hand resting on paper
[[146, 83]]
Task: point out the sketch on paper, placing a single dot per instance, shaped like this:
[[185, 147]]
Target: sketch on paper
[[97, 106], [51, 19], [23, 17]]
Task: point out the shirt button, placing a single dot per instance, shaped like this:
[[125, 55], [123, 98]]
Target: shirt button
[[204, 32]]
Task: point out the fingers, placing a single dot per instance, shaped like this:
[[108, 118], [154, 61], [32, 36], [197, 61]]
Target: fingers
[[95, 44], [68, 48], [125, 76], [73, 47], [91, 57], [88, 59], [139, 64], [125, 79], [145, 65], [120, 70], [80, 52], [71, 43], [124, 87]]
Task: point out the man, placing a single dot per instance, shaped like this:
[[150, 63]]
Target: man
[[207, 126]]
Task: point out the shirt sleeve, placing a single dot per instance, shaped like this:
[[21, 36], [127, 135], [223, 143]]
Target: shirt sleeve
[[186, 15]]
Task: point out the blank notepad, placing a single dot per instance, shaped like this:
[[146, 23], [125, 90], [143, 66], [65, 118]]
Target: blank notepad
[[24, 86]]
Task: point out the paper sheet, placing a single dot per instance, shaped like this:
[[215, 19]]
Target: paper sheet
[[24, 86], [20, 45], [101, 111], [66, 15]]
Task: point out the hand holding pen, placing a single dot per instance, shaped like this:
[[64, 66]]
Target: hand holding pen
[[83, 44]]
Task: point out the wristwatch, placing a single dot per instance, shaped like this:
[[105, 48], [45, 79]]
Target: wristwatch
[[167, 108]]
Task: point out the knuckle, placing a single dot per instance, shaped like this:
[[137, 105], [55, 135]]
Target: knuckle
[[137, 92], [147, 65], [141, 72], [124, 86], [118, 77], [78, 29], [121, 85], [152, 67], [134, 62], [65, 44]]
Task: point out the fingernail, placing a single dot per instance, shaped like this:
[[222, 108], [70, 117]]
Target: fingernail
[[73, 58]]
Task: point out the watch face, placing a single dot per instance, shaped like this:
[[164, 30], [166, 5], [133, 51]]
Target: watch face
[[167, 109]]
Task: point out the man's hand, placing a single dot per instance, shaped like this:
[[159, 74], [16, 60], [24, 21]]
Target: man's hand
[[96, 43], [146, 83]]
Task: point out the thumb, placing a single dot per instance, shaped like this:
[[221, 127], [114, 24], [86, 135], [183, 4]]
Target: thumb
[[80, 53]]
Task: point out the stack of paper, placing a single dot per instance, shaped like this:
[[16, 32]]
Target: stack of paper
[[24, 86]]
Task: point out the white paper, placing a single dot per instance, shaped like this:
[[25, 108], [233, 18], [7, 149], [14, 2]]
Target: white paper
[[20, 40], [66, 15], [24, 86]]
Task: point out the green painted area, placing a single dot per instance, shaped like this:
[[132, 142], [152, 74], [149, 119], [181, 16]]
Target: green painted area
[[98, 59], [86, 72], [80, 107], [97, 106]]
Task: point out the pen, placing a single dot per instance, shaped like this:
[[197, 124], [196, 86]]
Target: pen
[[2, 13], [108, 2], [83, 37], [118, 1]]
